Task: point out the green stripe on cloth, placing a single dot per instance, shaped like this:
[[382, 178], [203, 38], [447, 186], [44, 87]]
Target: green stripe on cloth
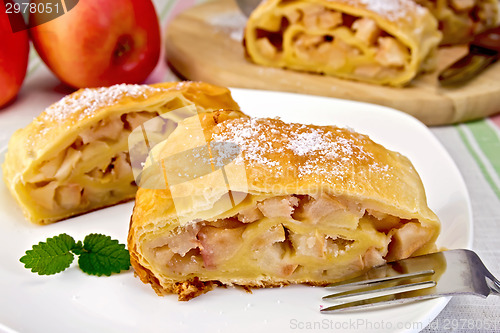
[[484, 145], [488, 140], [33, 68], [33, 53], [167, 9], [34, 61]]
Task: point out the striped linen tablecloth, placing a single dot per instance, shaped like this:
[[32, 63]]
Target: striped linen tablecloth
[[475, 147], [482, 141]]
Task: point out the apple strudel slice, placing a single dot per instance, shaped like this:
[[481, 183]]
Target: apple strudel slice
[[73, 158], [262, 203], [460, 20], [383, 42]]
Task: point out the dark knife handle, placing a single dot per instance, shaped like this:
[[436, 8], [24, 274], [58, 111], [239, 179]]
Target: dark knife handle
[[489, 39]]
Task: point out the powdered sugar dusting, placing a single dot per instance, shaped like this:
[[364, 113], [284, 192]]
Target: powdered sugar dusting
[[299, 150], [315, 140], [247, 136], [391, 9], [87, 101]]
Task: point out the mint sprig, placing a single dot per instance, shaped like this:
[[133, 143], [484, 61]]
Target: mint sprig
[[102, 256], [50, 257], [98, 255]]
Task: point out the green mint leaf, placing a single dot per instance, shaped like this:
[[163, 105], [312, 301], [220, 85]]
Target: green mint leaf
[[50, 257], [102, 256], [78, 248]]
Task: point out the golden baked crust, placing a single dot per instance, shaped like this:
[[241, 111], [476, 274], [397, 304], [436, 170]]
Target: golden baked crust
[[460, 20], [73, 157], [377, 41], [310, 204]]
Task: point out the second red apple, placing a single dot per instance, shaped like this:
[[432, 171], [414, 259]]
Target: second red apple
[[100, 42], [14, 52]]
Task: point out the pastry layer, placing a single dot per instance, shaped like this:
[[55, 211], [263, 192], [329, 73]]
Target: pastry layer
[[298, 204], [383, 42], [73, 158]]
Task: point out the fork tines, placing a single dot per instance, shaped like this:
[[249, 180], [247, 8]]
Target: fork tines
[[351, 284], [355, 294]]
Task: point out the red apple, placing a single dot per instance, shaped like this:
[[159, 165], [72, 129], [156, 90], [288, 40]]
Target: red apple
[[14, 50], [100, 42]]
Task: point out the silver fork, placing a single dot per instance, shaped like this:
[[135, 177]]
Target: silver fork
[[454, 272]]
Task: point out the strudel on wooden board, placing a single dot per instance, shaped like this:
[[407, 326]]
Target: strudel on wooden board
[[378, 41], [460, 20]]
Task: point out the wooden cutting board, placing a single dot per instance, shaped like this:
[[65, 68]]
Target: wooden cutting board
[[204, 44]]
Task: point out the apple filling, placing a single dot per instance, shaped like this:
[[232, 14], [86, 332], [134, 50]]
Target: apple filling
[[292, 238], [317, 37], [92, 170]]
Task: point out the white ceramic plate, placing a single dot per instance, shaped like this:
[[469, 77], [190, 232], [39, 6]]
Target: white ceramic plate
[[73, 301]]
